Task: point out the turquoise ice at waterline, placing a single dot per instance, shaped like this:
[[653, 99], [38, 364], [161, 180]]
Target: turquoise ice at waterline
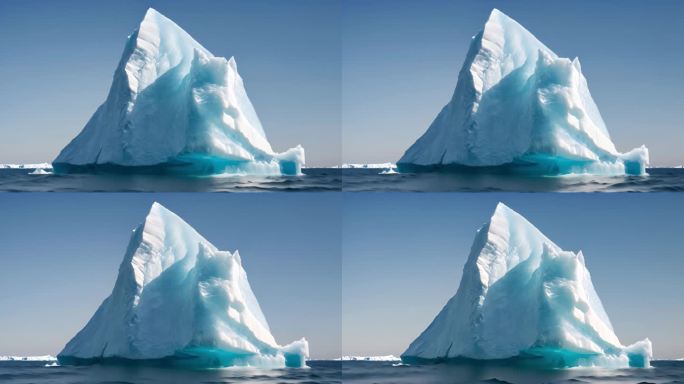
[[180, 301], [519, 108], [173, 107], [523, 299]]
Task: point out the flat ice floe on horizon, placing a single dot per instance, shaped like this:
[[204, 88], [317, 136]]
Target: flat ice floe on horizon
[[370, 358], [521, 296], [28, 358], [174, 107], [519, 107], [179, 300]]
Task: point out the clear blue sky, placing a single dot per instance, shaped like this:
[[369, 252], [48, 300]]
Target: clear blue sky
[[401, 60], [404, 253], [58, 58], [60, 254]]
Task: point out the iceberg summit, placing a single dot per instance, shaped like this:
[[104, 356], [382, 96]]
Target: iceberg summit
[[524, 299], [519, 108], [173, 107], [180, 301]]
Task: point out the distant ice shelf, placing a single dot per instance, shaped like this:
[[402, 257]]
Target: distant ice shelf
[[523, 298], [366, 166], [519, 108], [180, 301], [28, 358], [370, 358], [174, 107], [26, 166]]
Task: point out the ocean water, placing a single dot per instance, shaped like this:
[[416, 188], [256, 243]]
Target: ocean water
[[332, 179], [11, 372], [314, 179], [359, 372], [363, 179]]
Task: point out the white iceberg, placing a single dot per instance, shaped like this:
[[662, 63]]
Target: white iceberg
[[523, 297], [174, 107], [178, 300], [518, 107]]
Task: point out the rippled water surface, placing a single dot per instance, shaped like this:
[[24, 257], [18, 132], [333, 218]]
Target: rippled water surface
[[314, 179], [658, 180], [36, 372], [386, 372], [331, 179]]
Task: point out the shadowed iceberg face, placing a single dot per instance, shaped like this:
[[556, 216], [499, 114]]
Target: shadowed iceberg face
[[520, 107], [522, 297], [173, 107], [178, 300]]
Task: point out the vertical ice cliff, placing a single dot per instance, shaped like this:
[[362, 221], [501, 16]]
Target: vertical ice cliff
[[179, 300], [521, 296], [518, 106], [175, 107]]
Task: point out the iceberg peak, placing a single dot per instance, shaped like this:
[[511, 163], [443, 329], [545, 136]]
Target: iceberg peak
[[174, 107], [522, 297], [180, 300], [518, 107]]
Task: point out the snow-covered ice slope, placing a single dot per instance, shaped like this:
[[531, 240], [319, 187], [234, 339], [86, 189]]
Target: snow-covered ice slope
[[179, 299], [522, 296], [518, 106], [175, 107]]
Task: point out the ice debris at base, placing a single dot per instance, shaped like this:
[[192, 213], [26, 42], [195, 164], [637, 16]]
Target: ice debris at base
[[175, 107], [28, 358], [389, 171], [517, 104], [180, 300], [370, 358], [522, 296], [40, 171]]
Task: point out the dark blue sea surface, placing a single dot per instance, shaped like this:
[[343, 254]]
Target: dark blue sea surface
[[314, 179], [25, 372], [367, 179], [353, 180], [358, 372]]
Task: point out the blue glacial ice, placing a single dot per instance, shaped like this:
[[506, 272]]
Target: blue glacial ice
[[180, 301], [519, 107], [524, 299], [173, 107]]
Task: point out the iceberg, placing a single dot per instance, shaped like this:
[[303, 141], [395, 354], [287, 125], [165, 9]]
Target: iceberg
[[525, 299], [180, 301], [519, 108], [173, 107]]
